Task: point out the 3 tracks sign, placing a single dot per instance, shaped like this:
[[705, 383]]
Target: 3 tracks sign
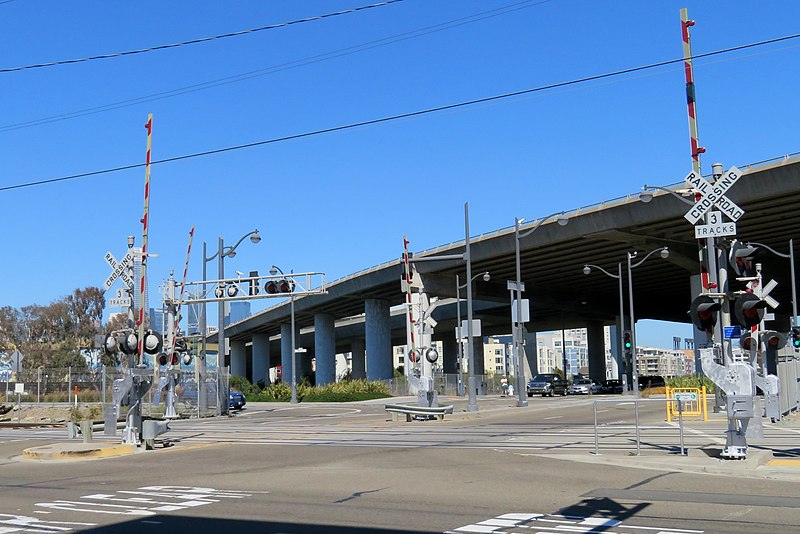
[[713, 196]]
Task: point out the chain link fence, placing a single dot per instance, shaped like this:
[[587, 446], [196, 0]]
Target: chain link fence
[[50, 386]]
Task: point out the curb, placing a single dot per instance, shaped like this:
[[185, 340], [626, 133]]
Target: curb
[[76, 451]]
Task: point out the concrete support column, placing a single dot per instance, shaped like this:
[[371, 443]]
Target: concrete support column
[[238, 359], [357, 359], [260, 358], [449, 355], [477, 347], [325, 348], [286, 352], [378, 340], [596, 346], [531, 363]]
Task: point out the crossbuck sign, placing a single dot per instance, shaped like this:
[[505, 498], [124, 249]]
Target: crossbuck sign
[[714, 195], [119, 269]]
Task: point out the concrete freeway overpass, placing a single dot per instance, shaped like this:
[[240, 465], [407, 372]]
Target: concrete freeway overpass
[[354, 316]]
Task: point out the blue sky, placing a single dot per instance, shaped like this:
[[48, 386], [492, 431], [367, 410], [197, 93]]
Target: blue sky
[[341, 202]]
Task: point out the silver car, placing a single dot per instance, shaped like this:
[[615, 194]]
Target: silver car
[[583, 386]]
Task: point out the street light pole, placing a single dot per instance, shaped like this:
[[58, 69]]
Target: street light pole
[[621, 374], [517, 328], [459, 367], [222, 251], [459, 287], [472, 402], [273, 271], [635, 360]]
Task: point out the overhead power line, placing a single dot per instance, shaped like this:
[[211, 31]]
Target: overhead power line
[[202, 86], [200, 40], [400, 116]]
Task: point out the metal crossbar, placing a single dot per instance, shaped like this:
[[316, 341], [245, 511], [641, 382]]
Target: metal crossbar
[[409, 411]]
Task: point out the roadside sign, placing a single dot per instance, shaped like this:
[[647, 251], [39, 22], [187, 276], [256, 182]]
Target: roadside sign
[[19, 388], [526, 313], [713, 195], [119, 269], [476, 329], [732, 332], [714, 230], [123, 302], [686, 396]]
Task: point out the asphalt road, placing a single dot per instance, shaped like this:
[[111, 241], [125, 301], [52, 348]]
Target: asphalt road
[[350, 469]]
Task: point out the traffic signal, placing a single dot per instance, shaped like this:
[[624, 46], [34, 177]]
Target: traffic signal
[[748, 341], [773, 340], [703, 313], [795, 335], [253, 284], [749, 310], [627, 341]]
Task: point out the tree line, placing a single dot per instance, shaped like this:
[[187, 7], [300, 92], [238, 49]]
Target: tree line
[[58, 334]]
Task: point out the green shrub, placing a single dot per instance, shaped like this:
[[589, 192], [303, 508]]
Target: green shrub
[[241, 384], [343, 391], [693, 381]]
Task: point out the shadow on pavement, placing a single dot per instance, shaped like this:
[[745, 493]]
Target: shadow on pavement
[[196, 525]]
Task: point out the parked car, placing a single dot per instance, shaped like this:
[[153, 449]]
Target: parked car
[[547, 384], [236, 400], [583, 386], [611, 386]]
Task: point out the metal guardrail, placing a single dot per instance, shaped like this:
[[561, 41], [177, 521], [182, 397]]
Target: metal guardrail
[[438, 411], [636, 403]]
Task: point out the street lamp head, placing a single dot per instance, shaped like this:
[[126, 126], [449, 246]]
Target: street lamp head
[[645, 196], [255, 238], [231, 253], [275, 270], [664, 253], [486, 276], [562, 219], [586, 269]]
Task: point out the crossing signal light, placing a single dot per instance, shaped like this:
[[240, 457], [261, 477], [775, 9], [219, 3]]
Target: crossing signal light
[[773, 340], [187, 359], [175, 358], [627, 341], [414, 355], [795, 335], [162, 359], [748, 341], [749, 310], [130, 343], [110, 345], [282, 285], [431, 355], [152, 342], [704, 313]]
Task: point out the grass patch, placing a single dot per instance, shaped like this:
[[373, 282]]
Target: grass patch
[[344, 391]]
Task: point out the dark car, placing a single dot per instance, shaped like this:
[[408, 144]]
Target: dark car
[[611, 386], [547, 384], [236, 400]]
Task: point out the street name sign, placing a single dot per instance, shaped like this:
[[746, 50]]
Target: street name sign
[[713, 195]]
